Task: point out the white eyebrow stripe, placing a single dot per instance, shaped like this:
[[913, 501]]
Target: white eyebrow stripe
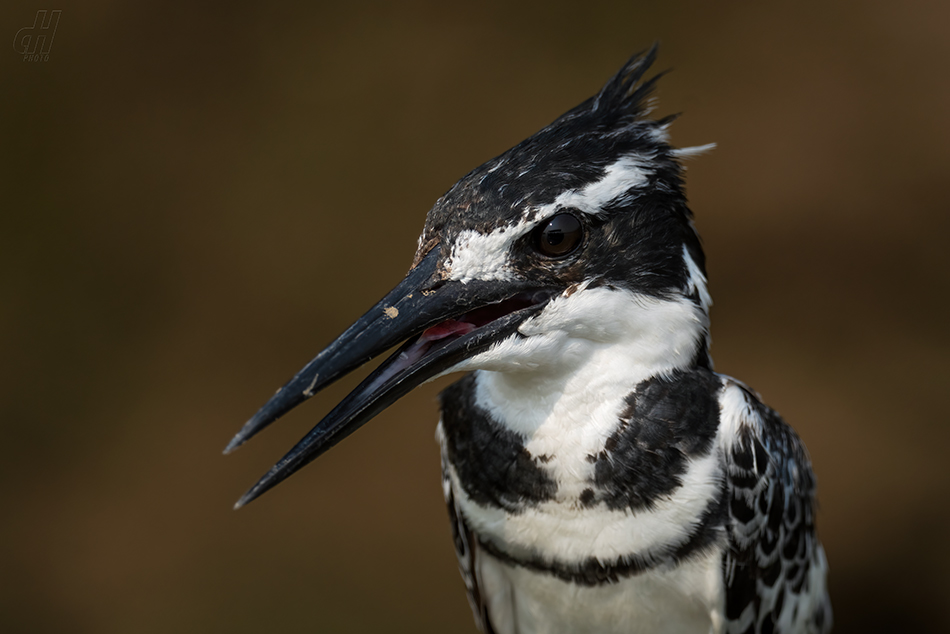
[[629, 172]]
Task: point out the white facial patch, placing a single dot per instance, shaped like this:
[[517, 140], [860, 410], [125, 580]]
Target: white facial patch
[[484, 256]]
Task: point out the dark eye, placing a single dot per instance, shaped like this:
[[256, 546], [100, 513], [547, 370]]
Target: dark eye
[[559, 235]]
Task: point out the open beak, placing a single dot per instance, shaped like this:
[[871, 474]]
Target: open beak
[[441, 322]]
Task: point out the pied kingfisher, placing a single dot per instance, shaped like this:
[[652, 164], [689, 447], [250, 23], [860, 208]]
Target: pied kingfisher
[[600, 477]]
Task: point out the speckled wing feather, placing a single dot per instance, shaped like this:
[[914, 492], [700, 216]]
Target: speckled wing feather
[[775, 566], [465, 549]]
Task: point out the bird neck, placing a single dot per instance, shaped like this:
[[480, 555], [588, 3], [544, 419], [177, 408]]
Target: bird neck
[[579, 359]]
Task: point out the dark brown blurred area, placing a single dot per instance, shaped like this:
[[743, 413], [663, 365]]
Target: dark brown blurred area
[[196, 198]]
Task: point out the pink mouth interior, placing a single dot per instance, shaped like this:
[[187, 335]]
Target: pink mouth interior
[[447, 328], [474, 319]]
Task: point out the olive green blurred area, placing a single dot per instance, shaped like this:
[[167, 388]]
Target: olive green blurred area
[[197, 197]]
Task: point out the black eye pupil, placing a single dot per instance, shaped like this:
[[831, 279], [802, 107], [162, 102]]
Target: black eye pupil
[[560, 235]]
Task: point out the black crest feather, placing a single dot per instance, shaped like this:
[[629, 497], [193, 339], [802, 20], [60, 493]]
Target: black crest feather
[[624, 92]]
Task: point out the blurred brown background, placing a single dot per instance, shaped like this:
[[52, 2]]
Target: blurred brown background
[[196, 198]]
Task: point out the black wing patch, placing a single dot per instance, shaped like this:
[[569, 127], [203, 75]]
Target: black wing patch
[[775, 567], [490, 459]]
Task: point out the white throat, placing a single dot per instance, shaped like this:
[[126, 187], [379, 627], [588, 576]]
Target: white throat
[[587, 344]]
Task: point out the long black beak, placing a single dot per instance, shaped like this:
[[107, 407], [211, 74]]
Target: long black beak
[[421, 310]]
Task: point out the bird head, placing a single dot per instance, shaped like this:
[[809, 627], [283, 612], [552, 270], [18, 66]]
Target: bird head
[[579, 233]]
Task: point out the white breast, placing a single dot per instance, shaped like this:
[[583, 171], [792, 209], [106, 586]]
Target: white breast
[[685, 599]]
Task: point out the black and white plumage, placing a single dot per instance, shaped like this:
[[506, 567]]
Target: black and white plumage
[[600, 476]]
